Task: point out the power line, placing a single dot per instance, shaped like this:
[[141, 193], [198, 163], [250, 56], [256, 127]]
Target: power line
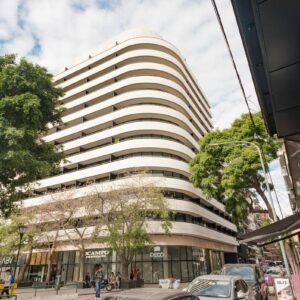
[[233, 62], [242, 89]]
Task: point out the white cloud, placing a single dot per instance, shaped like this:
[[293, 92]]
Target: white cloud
[[67, 29]]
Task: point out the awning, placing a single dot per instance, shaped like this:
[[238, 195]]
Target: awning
[[281, 228]]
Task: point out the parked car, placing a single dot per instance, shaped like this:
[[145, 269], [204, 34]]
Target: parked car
[[275, 272], [151, 293], [251, 274], [210, 287]]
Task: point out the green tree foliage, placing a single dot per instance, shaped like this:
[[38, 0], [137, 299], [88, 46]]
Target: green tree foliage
[[232, 173], [28, 102], [122, 213], [10, 237]]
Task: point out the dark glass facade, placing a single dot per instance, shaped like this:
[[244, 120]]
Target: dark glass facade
[[181, 262]]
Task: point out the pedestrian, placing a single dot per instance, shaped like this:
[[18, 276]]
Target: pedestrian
[[118, 280], [138, 274], [98, 278], [88, 280], [9, 279], [134, 273], [131, 275], [112, 279]]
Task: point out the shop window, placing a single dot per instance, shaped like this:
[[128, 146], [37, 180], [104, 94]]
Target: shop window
[[66, 257], [175, 269], [173, 253], [191, 271], [158, 271], [70, 273], [184, 271], [189, 253], [146, 271], [71, 259], [183, 254]]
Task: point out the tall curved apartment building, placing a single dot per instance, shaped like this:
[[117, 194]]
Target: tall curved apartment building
[[134, 105]]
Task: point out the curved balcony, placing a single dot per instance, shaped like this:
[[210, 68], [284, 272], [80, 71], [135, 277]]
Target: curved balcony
[[133, 70], [131, 130], [137, 82], [128, 147], [120, 166], [124, 115], [132, 98], [133, 42]]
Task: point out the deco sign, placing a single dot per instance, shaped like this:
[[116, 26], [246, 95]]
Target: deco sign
[[156, 252], [96, 253]]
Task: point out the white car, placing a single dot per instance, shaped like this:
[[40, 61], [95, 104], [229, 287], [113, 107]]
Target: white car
[[210, 287]]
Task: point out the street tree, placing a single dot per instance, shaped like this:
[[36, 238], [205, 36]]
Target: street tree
[[121, 211], [10, 238], [48, 231], [232, 173], [76, 217], [28, 104]]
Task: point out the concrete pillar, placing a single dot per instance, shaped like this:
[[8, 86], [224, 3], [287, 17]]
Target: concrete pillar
[[165, 262]]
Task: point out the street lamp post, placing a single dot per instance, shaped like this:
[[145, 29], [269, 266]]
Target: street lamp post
[[269, 193], [22, 230]]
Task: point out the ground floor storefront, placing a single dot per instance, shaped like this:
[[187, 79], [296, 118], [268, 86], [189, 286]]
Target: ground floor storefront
[[180, 262]]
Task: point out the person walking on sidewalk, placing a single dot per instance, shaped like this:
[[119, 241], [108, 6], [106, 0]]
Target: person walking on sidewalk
[[99, 279], [9, 279]]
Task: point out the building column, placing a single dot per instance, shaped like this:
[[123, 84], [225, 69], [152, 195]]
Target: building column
[[165, 262], [114, 261]]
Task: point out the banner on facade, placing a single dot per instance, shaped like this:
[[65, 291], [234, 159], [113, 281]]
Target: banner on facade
[[283, 289]]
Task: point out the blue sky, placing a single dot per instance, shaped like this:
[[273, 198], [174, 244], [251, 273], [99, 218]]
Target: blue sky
[[55, 33]]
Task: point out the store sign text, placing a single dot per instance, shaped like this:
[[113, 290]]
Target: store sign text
[[156, 252], [96, 253], [6, 260]]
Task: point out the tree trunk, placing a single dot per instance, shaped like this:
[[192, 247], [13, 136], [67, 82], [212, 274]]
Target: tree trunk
[[266, 201], [124, 268], [291, 257], [49, 262], [82, 265], [24, 266]]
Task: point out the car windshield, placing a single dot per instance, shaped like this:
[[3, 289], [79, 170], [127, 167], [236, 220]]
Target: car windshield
[[210, 288], [247, 273]]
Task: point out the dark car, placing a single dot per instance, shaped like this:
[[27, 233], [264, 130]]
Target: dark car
[[151, 293], [251, 274]]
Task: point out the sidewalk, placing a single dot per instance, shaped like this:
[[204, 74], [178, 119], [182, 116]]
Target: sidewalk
[[67, 293]]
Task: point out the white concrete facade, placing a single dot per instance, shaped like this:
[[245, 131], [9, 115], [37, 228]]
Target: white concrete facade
[[135, 105]]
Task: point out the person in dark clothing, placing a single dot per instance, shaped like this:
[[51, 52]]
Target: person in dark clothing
[[88, 280], [131, 276], [98, 277]]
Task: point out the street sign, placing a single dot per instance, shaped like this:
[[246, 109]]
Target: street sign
[[283, 289]]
